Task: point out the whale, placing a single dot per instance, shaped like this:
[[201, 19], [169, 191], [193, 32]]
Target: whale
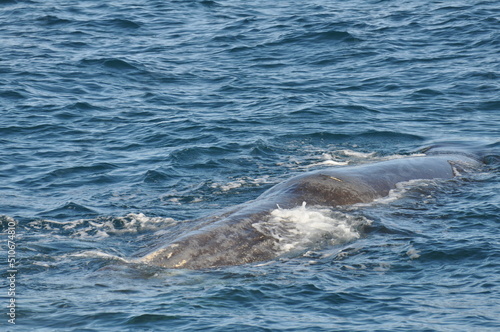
[[234, 238]]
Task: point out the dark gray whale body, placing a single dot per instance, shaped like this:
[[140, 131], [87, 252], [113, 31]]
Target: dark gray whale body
[[233, 239]]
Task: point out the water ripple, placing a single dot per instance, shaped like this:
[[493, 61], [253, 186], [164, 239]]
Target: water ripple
[[118, 116]]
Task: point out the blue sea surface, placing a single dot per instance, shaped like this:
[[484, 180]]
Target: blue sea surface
[[123, 121]]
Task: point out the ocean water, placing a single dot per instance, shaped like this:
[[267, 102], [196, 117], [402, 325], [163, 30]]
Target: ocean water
[[123, 121]]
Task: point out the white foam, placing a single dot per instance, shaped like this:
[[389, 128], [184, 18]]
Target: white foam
[[357, 154], [244, 181], [96, 254], [304, 227], [230, 185], [413, 253], [328, 163], [105, 226], [382, 267], [401, 156], [341, 158], [329, 159], [397, 193]]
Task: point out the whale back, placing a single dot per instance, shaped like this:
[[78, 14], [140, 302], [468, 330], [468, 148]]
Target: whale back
[[482, 153], [233, 238]]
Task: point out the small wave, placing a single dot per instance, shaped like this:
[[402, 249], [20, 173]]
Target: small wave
[[73, 175], [103, 227], [69, 209], [123, 23], [425, 93], [153, 176], [304, 227], [111, 63], [51, 20], [8, 2], [39, 129], [318, 36], [365, 138], [11, 94], [142, 319], [335, 35], [82, 106], [204, 156], [390, 135]]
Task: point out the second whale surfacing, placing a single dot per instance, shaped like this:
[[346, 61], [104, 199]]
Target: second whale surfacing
[[235, 237]]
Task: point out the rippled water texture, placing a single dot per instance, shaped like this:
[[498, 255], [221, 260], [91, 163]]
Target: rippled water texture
[[123, 121]]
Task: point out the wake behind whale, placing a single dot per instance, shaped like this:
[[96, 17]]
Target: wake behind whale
[[254, 231]]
